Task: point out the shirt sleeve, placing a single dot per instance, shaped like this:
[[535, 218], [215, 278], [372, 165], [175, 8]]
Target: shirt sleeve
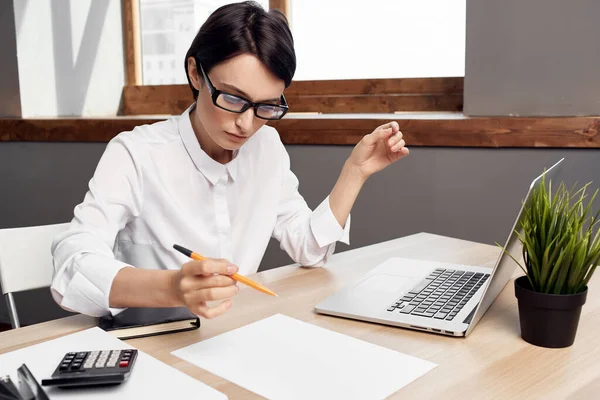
[[307, 236], [84, 262]]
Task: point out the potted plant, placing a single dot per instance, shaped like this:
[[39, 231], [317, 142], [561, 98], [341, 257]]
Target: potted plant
[[561, 249]]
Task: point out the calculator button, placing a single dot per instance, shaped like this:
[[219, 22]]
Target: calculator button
[[123, 364], [103, 356], [112, 362], [64, 366], [75, 366]]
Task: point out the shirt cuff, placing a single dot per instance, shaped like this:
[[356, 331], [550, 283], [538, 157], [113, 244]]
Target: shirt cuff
[[325, 227], [89, 289]]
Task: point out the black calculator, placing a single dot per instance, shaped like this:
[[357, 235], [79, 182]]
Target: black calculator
[[93, 368]]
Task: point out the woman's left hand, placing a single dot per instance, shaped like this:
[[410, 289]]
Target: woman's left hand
[[377, 150]]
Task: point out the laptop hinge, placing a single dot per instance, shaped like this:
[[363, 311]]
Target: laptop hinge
[[470, 316]]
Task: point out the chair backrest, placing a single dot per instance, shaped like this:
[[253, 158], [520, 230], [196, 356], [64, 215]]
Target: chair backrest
[[25, 258]]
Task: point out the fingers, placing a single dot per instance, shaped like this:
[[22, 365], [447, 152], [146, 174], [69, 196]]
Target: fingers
[[392, 125], [395, 140], [401, 152], [209, 266], [196, 282], [196, 300], [207, 312], [211, 294], [397, 145], [207, 280], [382, 132]]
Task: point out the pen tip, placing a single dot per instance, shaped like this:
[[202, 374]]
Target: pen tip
[[183, 250]]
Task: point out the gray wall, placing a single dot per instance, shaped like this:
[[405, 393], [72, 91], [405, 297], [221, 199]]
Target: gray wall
[[532, 58], [466, 193], [10, 101]]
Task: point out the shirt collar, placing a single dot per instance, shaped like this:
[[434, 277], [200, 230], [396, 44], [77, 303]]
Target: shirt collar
[[211, 169]]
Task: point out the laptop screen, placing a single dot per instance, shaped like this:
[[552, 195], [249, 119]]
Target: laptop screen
[[505, 266]]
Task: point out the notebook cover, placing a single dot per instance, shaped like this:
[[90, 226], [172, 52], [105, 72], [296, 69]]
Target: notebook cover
[[143, 317]]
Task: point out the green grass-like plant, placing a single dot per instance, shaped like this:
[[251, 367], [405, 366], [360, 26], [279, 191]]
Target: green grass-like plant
[[560, 249]]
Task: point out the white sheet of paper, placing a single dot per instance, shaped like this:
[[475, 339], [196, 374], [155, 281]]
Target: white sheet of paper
[[283, 358], [149, 379]]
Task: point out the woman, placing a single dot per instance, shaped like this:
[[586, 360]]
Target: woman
[[215, 179]]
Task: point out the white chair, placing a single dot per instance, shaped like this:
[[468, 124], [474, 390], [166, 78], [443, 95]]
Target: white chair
[[26, 261]]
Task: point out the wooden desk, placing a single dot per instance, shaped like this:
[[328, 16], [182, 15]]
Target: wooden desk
[[493, 362]]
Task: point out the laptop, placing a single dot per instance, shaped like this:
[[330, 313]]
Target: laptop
[[443, 298]]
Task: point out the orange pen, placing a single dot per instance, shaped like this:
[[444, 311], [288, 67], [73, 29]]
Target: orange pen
[[237, 277]]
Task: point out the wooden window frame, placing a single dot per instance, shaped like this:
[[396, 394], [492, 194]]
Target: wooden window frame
[[132, 49]]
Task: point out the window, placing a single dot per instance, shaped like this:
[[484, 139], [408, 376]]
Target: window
[[376, 45], [167, 30], [378, 38]]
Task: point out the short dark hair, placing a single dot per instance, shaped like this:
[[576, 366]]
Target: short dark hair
[[239, 28]]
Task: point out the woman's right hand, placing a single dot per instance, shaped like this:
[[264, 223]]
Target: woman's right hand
[[206, 280]]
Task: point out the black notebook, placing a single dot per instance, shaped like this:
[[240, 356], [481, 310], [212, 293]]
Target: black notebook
[[142, 322]]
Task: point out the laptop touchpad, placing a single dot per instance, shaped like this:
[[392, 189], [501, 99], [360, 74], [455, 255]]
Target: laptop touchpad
[[387, 283]]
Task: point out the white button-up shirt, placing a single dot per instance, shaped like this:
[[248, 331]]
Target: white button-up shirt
[[155, 187]]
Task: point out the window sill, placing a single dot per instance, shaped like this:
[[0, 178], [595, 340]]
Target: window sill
[[436, 129]]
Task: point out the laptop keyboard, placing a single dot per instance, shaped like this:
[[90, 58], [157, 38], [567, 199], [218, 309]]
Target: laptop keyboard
[[441, 295]]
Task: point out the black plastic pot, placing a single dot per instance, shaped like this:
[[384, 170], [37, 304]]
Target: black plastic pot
[[548, 320]]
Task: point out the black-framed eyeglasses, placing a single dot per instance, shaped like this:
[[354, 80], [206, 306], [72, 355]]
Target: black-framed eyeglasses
[[237, 104]]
